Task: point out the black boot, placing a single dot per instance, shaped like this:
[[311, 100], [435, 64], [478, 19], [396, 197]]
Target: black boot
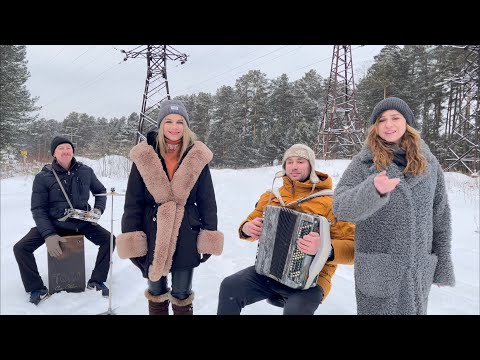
[[157, 304], [182, 307]]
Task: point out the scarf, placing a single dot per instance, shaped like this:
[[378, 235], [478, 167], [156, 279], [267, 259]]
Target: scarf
[[172, 155], [399, 156]]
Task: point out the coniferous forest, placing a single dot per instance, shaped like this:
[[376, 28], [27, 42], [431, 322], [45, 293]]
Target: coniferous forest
[[252, 123]]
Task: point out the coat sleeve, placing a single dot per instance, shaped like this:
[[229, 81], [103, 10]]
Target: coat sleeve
[[210, 240], [134, 207], [96, 187], [206, 202], [442, 234], [132, 242], [40, 207], [342, 235], [257, 212], [355, 197]]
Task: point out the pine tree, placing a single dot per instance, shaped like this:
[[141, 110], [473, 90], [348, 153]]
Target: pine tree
[[223, 137], [16, 104], [251, 117]]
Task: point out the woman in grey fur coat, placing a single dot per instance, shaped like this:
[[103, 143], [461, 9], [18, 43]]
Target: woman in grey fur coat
[[394, 192], [169, 224]]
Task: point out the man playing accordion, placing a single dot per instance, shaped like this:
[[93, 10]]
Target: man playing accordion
[[303, 190]]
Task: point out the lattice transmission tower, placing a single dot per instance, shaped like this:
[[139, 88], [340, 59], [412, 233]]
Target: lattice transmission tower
[[340, 133], [156, 83], [463, 123]]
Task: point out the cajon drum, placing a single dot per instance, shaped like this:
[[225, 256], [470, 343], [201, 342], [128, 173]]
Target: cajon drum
[[67, 271]]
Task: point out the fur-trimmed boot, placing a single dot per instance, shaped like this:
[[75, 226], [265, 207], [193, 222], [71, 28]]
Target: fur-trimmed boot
[[157, 304], [182, 307]]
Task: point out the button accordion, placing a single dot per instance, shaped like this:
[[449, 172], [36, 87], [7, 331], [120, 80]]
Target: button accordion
[[277, 254]]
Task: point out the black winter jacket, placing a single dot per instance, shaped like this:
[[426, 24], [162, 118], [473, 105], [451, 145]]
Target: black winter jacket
[[49, 204]]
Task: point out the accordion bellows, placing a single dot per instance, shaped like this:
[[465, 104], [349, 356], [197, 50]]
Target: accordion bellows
[[277, 254]]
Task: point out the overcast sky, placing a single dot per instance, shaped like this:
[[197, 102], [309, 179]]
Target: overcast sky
[[94, 79]]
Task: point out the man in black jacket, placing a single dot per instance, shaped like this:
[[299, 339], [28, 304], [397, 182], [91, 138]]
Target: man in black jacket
[[49, 206]]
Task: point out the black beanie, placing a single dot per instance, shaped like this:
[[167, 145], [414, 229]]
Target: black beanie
[[172, 107], [57, 140], [393, 103]]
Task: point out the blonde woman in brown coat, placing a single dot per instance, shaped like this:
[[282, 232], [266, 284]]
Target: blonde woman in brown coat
[[169, 224]]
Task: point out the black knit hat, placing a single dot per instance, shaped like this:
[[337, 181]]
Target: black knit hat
[[172, 107], [57, 140], [394, 103]]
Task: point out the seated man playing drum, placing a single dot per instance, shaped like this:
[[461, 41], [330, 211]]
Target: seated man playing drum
[[60, 207]]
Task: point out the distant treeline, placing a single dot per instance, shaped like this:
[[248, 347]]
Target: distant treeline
[[252, 123]]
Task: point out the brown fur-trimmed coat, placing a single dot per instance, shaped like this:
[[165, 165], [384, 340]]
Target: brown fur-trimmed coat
[[166, 225]]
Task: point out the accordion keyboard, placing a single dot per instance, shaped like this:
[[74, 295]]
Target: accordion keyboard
[[298, 257]]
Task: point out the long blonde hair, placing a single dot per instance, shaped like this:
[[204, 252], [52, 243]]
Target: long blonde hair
[[383, 153], [188, 138]]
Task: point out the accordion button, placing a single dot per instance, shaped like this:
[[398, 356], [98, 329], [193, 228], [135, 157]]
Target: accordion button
[[154, 219]]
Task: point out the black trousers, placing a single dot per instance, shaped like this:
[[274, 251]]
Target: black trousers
[[181, 284], [24, 249], [248, 287]]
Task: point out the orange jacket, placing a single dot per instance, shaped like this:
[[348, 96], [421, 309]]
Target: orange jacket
[[341, 232]]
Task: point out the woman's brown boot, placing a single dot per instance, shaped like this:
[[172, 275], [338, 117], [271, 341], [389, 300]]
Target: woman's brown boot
[[182, 307], [157, 304]]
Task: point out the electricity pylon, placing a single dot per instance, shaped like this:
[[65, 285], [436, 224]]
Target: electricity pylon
[[156, 83], [340, 133], [463, 123]]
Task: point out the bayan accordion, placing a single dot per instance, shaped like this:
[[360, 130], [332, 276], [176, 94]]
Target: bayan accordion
[[277, 254]]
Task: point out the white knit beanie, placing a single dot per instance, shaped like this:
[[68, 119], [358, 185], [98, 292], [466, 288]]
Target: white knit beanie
[[305, 152]]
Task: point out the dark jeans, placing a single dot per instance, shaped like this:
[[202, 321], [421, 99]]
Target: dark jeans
[[181, 284], [248, 287], [24, 249]]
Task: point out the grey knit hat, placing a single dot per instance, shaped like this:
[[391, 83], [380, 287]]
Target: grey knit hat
[[57, 140], [172, 107], [394, 103], [303, 151]]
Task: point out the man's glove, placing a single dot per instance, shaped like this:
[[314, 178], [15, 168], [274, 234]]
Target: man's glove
[[98, 212], [53, 246], [205, 257]]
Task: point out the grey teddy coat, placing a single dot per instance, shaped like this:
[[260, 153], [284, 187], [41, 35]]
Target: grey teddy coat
[[402, 240]]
